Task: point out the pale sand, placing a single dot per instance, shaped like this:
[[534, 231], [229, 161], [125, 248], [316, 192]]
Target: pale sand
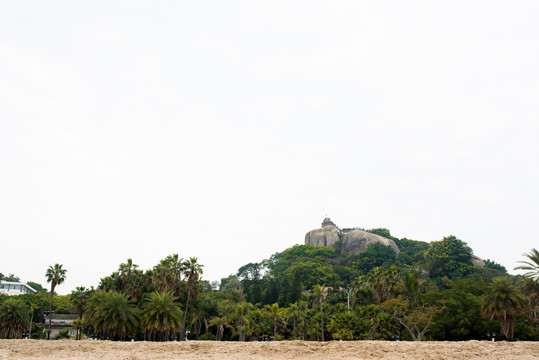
[[89, 349]]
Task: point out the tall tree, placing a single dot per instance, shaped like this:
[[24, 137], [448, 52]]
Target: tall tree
[[131, 278], [416, 320], [55, 275], [192, 271], [166, 276], [449, 257], [79, 298], [504, 301]]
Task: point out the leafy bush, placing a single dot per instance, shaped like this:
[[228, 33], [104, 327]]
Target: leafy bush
[[63, 334]]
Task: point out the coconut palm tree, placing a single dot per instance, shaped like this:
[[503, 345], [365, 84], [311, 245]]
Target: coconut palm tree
[[275, 312], [113, 314], [192, 271], [55, 275], [14, 316], [161, 315], [504, 301], [531, 266]]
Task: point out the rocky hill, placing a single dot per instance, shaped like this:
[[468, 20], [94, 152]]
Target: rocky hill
[[354, 240]]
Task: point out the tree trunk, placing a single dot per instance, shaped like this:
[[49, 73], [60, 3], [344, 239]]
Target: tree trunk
[[50, 315], [240, 324], [30, 329], [294, 326], [322, 317], [182, 335]]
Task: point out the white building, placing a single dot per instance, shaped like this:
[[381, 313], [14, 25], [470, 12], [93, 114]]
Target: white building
[[15, 288]]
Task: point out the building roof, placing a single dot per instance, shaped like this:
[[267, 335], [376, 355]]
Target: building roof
[[15, 283], [63, 316]]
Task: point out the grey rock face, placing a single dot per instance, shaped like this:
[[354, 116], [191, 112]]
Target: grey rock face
[[353, 240], [356, 241], [477, 261], [325, 236]]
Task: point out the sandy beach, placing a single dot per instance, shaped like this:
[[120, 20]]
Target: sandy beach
[[89, 349]]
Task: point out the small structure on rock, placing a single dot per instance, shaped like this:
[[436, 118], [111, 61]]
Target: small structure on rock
[[354, 240]]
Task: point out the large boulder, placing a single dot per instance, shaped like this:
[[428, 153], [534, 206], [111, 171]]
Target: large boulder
[[325, 236], [356, 241], [353, 240]]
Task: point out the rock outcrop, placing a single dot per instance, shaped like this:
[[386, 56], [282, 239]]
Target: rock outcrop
[[325, 236], [477, 261], [353, 240], [356, 241]]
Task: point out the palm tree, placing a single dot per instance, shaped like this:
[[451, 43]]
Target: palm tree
[[78, 328], [166, 276], [221, 323], [161, 315], [14, 316], [126, 272], [320, 293], [112, 313], [383, 283], [192, 271], [504, 301], [79, 298], [531, 266], [302, 312], [55, 275], [239, 316], [275, 312]]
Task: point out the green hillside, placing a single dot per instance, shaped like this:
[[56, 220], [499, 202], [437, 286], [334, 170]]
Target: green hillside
[[431, 291]]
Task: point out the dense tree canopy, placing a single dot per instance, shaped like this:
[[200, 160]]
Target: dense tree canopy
[[449, 257], [430, 291]]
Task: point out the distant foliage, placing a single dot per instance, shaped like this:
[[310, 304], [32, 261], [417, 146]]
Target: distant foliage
[[62, 334], [489, 264], [37, 287], [449, 257], [431, 291], [412, 251], [376, 255]]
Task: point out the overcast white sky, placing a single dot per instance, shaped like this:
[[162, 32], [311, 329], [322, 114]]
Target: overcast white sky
[[225, 130]]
